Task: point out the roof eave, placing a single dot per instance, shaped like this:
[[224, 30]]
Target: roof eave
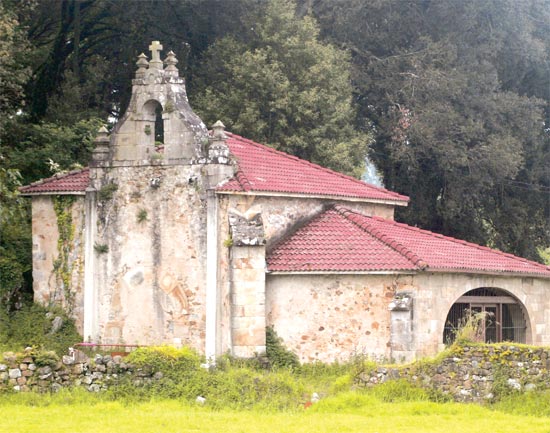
[[489, 272], [30, 194], [333, 272], [316, 196]]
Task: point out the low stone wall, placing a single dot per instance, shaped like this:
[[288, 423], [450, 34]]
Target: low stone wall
[[25, 373], [473, 374], [467, 374]]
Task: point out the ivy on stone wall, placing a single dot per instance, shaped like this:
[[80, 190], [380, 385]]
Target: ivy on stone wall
[[61, 266]]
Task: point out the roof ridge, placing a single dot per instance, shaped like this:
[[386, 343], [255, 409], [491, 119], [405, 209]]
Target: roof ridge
[[382, 237], [319, 167], [462, 242], [56, 176]]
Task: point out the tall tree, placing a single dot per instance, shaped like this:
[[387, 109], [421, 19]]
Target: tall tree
[[14, 68], [284, 87]]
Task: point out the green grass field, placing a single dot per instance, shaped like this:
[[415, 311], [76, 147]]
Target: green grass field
[[348, 412]]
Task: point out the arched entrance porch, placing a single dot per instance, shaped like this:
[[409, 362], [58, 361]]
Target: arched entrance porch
[[505, 317]]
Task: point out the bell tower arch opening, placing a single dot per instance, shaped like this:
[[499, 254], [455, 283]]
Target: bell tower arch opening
[[153, 123], [504, 317]]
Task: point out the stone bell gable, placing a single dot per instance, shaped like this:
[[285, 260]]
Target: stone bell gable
[[159, 91]]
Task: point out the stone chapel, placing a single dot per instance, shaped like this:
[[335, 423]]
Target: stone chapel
[[208, 238]]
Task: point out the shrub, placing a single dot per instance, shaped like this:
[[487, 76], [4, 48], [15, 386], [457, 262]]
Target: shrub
[[277, 353], [470, 328], [45, 358], [167, 359], [33, 326]]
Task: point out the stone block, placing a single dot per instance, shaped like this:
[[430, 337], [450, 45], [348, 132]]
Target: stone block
[[68, 360], [249, 275], [14, 373], [249, 337], [253, 322]]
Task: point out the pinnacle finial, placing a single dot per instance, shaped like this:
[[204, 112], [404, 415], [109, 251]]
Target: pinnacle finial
[[142, 64], [101, 149], [218, 129], [102, 135], [155, 49], [171, 63]]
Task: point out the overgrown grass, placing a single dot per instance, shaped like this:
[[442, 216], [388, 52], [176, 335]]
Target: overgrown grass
[[244, 396], [529, 404], [352, 411], [33, 325]]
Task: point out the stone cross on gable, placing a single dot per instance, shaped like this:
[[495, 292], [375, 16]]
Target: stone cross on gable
[[155, 49]]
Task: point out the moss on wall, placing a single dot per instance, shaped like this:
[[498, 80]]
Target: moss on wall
[[62, 264]]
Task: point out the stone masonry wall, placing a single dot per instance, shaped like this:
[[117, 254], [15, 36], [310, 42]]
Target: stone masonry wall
[[331, 318], [154, 229], [465, 373], [58, 264], [95, 374], [474, 374]]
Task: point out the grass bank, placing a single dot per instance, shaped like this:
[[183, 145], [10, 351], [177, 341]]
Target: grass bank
[[354, 411]]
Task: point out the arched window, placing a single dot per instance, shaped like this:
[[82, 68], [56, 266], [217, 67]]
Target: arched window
[[504, 317], [154, 128], [159, 125]]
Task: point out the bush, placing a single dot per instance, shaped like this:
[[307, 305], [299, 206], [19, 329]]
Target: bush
[[231, 384], [167, 359], [33, 325], [277, 353]]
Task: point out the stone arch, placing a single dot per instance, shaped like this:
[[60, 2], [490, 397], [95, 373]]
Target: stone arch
[[506, 316], [154, 124]]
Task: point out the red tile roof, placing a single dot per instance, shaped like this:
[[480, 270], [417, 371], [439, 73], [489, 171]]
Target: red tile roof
[[263, 169], [260, 169], [74, 182], [342, 240]]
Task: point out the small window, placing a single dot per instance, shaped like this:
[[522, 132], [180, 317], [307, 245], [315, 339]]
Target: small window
[[159, 126]]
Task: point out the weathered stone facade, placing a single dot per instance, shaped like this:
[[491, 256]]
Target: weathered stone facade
[[58, 252], [153, 249], [402, 318]]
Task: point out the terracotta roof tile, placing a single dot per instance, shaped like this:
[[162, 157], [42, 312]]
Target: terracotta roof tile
[[74, 182], [342, 240], [263, 169]]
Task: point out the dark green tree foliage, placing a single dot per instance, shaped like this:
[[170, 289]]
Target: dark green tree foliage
[[458, 92], [15, 240], [14, 70], [284, 87], [86, 49]]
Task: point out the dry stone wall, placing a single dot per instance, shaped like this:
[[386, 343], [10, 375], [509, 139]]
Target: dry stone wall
[[465, 374], [474, 374], [95, 374]]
